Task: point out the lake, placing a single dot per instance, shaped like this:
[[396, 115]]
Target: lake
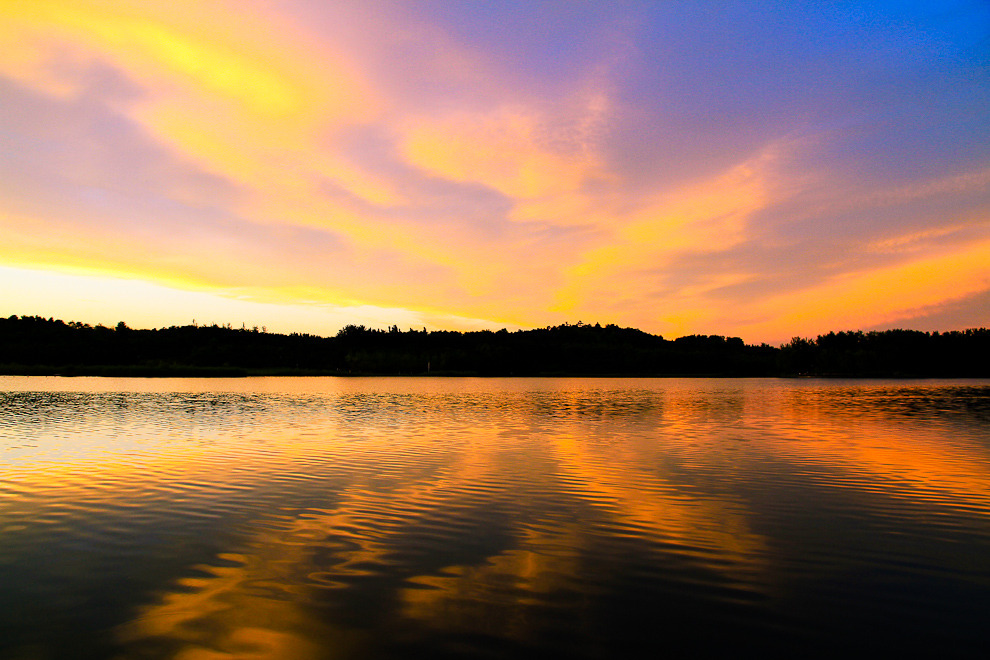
[[492, 518]]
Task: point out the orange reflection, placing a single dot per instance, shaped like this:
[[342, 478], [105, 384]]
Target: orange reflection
[[233, 612], [407, 491], [638, 500], [873, 454], [461, 596]]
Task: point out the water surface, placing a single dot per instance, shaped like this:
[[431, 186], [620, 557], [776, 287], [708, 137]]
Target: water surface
[[389, 517]]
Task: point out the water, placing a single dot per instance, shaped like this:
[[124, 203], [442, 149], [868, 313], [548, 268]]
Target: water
[[492, 518]]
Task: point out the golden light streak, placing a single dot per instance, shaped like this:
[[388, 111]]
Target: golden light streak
[[146, 44], [912, 242], [252, 110]]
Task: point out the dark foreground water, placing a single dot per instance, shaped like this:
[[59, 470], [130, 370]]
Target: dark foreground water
[[493, 518]]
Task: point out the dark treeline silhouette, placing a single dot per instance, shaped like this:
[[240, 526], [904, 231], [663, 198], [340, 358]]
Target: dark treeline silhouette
[[963, 353], [35, 345]]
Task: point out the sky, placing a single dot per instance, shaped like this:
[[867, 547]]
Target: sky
[[755, 169]]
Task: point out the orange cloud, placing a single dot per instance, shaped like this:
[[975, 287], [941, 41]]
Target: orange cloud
[[705, 217], [876, 296], [508, 151], [152, 48]]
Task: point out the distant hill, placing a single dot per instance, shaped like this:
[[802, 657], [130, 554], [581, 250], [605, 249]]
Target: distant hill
[[35, 345]]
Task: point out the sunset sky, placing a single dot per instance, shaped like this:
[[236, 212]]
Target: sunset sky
[[757, 169]]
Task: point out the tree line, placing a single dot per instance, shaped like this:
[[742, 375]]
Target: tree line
[[36, 345]]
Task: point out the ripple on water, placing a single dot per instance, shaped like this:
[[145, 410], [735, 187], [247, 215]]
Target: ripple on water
[[544, 516]]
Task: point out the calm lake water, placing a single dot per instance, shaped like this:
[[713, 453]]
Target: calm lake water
[[492, 518]]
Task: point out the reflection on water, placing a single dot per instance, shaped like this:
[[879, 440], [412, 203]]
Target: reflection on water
[[329, 518]]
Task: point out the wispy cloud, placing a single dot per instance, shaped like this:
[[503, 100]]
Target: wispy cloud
[[501, 165]]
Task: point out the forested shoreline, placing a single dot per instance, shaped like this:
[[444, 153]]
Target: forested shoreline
[[33, 345]]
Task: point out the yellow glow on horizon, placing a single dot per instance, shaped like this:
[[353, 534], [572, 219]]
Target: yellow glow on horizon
[[220, 279], [88, 296]]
